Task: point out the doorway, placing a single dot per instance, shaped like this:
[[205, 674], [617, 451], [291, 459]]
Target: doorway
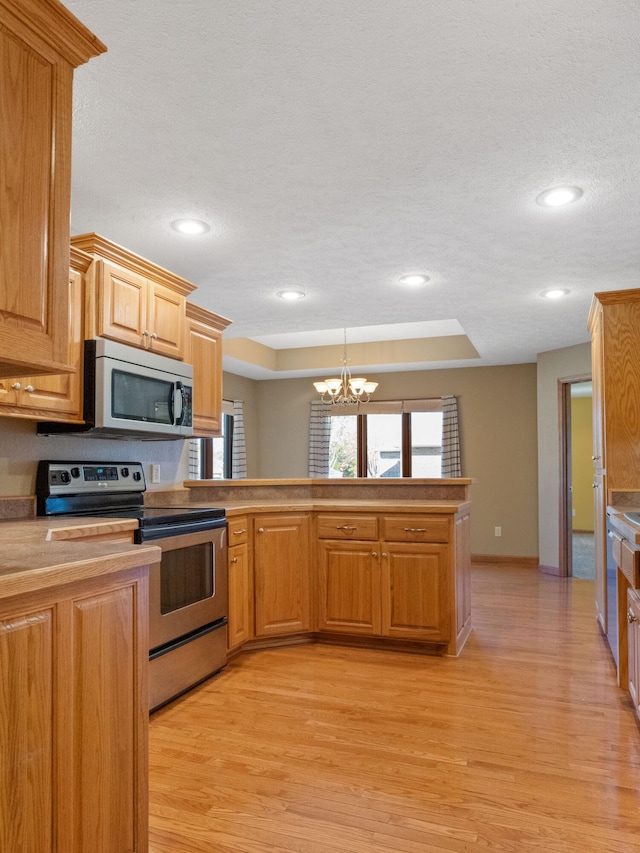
[[577, 550]]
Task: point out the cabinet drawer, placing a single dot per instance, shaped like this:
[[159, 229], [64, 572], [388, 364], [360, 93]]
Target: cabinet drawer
[[629, 563], [347, 526], [238, 530], [415, 528]]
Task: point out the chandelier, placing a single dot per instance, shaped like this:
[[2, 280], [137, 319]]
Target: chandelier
[[346, 390]]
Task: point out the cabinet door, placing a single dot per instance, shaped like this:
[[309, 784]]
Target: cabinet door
[[61, 394], [165, 320], [349, 587], [633, 640], [121, 304], [27, 716], [108, 751], [239, 628], [204, 352], [40, 44], [415, 591], [597, 369], [282, 574]]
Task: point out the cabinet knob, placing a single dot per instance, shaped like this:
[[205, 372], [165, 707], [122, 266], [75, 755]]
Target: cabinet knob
[[16, 386], [261, 530], [374, 553], [145, 334], [234, 559], [595, 485], [29, 388], [384, 554], [594, 458], [631, 617], [154, 336]]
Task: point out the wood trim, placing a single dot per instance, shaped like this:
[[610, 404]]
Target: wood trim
[[565, 567], [102, 248], [524, 562], [201, 315]]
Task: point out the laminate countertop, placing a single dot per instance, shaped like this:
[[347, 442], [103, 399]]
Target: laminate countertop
[[421, 507], [40, 553]]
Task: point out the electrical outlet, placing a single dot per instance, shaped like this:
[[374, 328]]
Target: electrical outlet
[[155, 473], [498, 531]]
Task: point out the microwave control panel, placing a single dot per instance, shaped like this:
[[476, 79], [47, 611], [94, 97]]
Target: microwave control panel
[[65, 478]]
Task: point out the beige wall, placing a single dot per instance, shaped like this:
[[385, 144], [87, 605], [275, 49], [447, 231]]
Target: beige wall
[[568, 363], [238, 388], [498, 433], [581, 463]]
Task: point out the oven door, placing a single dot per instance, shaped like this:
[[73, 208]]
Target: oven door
[[188, 588]]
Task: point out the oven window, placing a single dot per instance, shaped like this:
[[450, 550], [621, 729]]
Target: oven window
[[186, 577]]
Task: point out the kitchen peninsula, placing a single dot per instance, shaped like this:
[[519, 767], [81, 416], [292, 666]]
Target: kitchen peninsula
[[377, 562]]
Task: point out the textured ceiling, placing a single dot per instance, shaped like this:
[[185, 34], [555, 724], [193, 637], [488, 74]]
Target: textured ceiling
[[334, 146]]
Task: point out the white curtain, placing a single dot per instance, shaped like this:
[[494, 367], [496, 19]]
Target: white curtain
[[194, 458], [319, 434], [239, 450], [450, 466]]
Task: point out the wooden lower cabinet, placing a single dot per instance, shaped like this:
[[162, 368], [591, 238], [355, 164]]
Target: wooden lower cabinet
[[282, 574], [240, 628], [73, 718], [633, 646], [412, 583]]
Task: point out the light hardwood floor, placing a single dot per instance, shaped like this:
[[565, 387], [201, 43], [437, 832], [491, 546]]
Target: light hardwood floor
[[524, 743]]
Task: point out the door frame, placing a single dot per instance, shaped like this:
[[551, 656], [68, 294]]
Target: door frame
[[565, 556]]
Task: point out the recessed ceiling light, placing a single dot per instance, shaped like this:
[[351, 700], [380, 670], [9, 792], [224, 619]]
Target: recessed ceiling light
[[414, 278], [291, 295], [557, 196], [190, 226], [554, 293]]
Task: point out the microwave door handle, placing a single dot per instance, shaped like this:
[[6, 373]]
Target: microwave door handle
[[178, 406]]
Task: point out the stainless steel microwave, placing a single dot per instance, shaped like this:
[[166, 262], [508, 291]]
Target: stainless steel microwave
[[131, 393]]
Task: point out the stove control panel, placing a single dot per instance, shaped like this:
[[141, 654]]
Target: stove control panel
[[66, 478]]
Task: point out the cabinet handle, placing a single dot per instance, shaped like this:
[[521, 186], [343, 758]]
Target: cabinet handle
[[234, 559], [631, 617], [154, 336], [146, 333], [374, 553], [345, 527], [16, 386], [239, 532], [384, 554], [261, 530], [29, 388], [415, 530]]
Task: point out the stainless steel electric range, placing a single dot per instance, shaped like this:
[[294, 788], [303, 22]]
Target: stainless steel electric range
[[187, 589]]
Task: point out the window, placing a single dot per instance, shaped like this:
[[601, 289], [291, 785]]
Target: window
[[389, 440], [213, 456]]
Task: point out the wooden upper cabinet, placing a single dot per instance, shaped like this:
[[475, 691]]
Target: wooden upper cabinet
[[132, 300], [203, 350], [40, 45], [55, 397], [614, 322]]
